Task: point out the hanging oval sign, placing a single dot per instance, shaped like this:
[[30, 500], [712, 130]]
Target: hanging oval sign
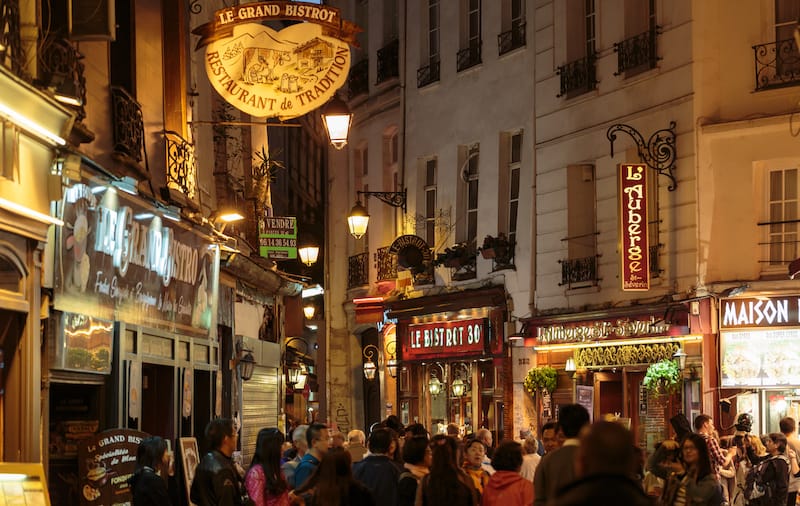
[[281, 74]]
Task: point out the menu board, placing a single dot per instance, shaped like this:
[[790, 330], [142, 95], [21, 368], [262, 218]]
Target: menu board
[[106, 463], [23, 484], [752, 358], [585, 397]]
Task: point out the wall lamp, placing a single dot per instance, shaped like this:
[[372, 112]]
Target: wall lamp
[[435, 385], [462, 373], [370, 368], [245, 360], [224, 216], [337, 119], [309, 310], [295, 371], [358, 219], [391, 364], [680, 356], [308, 254]]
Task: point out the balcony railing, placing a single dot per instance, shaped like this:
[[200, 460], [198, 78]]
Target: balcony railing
[[637, 53], [389, 61], [385, 265], [60, 68], [469, 56], [358, 270], [777, 64], [358, 83], [10, 40], [512, 39], [579, 271], [578, 77], [428, 74], [126, 114], [783, 243], [181, 165]]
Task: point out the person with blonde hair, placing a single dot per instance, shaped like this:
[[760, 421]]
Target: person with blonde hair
[[531, 457]]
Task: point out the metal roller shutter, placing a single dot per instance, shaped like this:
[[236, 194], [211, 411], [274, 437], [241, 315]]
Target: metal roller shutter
[[260, 407]]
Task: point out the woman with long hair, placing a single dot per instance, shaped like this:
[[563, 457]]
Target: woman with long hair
[[696, 484], [149, 481], [447, 483], [332, 484], [264, 481]]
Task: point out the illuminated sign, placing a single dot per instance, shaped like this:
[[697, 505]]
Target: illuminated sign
[[760, 312], [446, 338], [634, 250], [601, 330], [268, 73]]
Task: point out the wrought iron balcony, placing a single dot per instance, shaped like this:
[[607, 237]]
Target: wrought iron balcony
[[61, 69], [10, 41], [638, 53], [386, 264], [126, 114], [579, 271], [578, 77], [512, 39], [389, 61], [469, 56], [429, 74], [358, 270], [181, 165], [777, 64], [358, 83]]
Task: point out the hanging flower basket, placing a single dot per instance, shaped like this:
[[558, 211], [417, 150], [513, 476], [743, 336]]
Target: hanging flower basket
[[539, 379], [662, 378]]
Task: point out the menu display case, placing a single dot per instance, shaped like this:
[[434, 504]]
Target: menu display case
[[23, 484]]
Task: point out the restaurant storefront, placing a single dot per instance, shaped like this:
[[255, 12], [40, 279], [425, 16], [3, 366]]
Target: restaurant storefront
[[132, 339], [453, 366], [760, 359], [601, 359]]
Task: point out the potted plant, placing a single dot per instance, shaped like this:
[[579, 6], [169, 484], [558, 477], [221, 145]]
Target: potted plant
[[662, 378], [456, 256], [495, 246], [539, 379]]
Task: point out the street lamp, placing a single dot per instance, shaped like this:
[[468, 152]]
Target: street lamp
[[391, 364], [370, 368], [246, 362], [309, 310], [681, 356], [435, 386], [337, 118], [358, 219], [308, 254], [460, 384]]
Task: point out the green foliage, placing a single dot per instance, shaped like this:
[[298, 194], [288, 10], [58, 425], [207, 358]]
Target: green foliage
[[540, 378], [662, 377]]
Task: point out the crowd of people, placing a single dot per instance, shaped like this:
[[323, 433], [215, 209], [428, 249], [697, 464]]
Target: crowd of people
[[575, 462]]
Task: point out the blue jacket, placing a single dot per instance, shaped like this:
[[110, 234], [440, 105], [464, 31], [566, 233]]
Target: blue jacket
[[305, 469]]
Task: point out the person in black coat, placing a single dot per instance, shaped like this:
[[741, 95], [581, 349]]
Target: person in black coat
[[149, 481]]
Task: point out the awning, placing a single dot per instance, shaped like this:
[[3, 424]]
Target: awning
[[259, 275], [453, 301]]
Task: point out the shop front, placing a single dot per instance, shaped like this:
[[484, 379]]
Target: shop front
[[132, 339], [453, 364], [760, 359], [601, 360]]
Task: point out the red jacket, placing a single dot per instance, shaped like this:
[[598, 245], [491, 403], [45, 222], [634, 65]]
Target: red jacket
[[507, 488]]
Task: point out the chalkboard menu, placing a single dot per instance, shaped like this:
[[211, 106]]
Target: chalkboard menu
[[106, 462]]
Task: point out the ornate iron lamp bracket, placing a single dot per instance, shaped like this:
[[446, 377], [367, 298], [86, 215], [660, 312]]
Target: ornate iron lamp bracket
[[394, 199], [658, 153]]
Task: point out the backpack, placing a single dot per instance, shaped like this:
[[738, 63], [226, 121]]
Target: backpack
[[756, 486]]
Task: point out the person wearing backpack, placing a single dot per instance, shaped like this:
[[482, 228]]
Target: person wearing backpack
[[417, 457], [696, 485], [768, 481]]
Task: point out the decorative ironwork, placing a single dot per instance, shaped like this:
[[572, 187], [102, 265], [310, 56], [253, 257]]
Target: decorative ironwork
[[658, 153], [358, 82], [60, 64], [638, 51], [394, 199], [128, 124], [428, 74], [385, 265], [389, 61], [578, 271], [777, 64], [469, 56], [625, 355], [358, 270], [195, 6], [181, 165], [578, 77], [11, 54], [512, 39]]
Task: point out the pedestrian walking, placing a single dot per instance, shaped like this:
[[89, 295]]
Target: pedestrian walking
[[418, 456], [216, 481], [377, 470], [332, 484], [696, 484], [149, 480], [557, 468], [507, 487], [318, 440], [446, 484], [264, 481]]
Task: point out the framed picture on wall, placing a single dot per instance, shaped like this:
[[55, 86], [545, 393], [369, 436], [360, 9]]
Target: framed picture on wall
[[190, 457]]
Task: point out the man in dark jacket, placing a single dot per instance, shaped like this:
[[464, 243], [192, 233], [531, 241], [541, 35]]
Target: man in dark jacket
[[377, 471], [606, 464], [216, 481]]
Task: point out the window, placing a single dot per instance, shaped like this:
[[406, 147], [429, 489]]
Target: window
[[578, 76], [470, 53], [362, 21], [579, 269], [390, 22], [786, 16], [430, 201], [429, 73], [781, 226], [653, 223], [637, 53], [512, 29], [513, 185], [469, 174], [390, 149]]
